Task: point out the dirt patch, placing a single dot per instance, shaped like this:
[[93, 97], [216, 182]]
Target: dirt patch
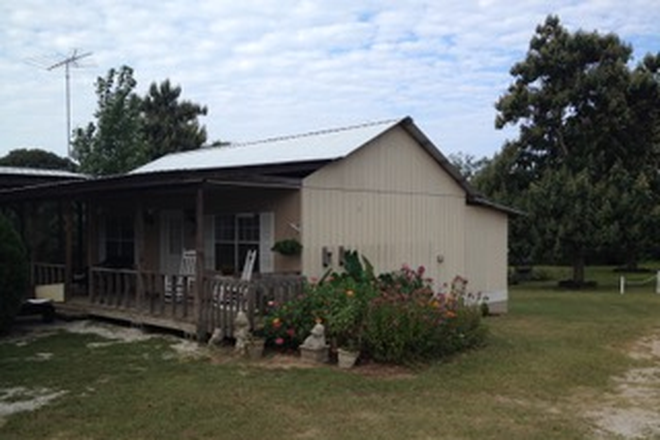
[[383, 371], [25, 333], [632, 410], [21, 399]]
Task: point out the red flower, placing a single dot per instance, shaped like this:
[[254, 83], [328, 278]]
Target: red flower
[[291, 332]]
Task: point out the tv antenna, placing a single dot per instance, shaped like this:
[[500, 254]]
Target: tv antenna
[[67, 62]]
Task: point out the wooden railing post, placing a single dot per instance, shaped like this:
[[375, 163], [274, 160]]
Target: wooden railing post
[[139, 236], [68, 250], [199, 264]]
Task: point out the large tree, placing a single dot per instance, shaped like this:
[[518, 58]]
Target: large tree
[[130, 130], [581, 112], [36, 158], [171, 125], [116, 143]]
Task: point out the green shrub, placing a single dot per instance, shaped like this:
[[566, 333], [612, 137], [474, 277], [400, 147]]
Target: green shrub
[[287, 325], [13, 274], [408, 322]]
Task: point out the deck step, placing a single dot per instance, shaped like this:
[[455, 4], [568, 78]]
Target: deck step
[[69, 311]]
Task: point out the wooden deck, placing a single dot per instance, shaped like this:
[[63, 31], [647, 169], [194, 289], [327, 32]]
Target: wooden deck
[[167, 300]]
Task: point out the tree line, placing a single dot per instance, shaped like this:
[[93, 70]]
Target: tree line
[[585, 165]]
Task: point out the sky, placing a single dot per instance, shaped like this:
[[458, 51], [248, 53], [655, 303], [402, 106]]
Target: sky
[[274, 68]]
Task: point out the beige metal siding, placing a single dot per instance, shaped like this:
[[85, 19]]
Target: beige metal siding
[[390, 201], [486, 252]]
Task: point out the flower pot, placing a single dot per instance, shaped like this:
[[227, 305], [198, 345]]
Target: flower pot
[[255, 349], [346, 358]]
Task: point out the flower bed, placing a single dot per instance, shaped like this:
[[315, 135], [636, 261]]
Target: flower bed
[[394, 317]]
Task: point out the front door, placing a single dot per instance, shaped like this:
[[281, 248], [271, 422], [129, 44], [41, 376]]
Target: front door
[[171, 241]]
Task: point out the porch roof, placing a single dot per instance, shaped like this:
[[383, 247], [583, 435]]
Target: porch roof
[[112, 185]]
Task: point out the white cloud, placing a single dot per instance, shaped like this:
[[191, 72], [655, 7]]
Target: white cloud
[[271, 68]]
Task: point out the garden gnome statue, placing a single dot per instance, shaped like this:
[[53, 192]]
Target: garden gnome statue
[[315, 349], [241, 331], [316, 339]]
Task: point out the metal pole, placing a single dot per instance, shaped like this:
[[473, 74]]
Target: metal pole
[[68, 110], [622, 285]]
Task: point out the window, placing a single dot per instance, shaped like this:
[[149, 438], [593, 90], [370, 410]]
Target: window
[[119, 241], [235, 235]]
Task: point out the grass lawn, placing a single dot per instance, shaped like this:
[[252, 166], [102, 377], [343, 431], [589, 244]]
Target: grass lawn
[[548, 361]]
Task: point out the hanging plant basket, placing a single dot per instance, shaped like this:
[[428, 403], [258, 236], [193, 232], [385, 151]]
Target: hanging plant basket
[[288, 247]]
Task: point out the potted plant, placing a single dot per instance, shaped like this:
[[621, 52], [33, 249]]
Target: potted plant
[[287, 247]]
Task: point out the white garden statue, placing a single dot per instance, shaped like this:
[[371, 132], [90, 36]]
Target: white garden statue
[[241, 332], [316, 340], [315, 348]]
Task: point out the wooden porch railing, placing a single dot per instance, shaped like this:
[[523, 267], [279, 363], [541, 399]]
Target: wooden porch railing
[[225, 297], [47, 273], [172, 297], [113, 287]]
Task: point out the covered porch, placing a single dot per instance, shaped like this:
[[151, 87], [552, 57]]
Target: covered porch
[[123, 239]]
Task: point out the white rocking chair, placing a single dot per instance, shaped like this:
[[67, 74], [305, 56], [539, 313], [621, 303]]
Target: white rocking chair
[[174, 284]]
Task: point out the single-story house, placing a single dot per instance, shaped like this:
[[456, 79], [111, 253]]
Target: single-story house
[[382, 189]]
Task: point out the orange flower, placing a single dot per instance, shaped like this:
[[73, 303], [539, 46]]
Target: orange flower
[[277, 322], [451, 314]]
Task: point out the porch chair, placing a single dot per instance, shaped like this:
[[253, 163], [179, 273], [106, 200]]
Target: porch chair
[[224, 296], [174, 284]]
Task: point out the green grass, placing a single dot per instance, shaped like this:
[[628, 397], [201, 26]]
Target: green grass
[[554, 353]]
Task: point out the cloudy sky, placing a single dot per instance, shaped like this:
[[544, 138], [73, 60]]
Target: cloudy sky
[[269, 68]]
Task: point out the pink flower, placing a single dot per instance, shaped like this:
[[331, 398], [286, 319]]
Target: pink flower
[[272, 303], [279, 341], [291, 332]]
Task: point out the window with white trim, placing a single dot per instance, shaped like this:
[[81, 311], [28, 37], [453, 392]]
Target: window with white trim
[[119, 241], [235, 235]]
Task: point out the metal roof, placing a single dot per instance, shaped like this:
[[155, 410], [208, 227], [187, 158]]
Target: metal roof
[[323, 145], [35, 172], [227, 165]]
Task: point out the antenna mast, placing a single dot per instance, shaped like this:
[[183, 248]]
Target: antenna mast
[[68, 62]]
